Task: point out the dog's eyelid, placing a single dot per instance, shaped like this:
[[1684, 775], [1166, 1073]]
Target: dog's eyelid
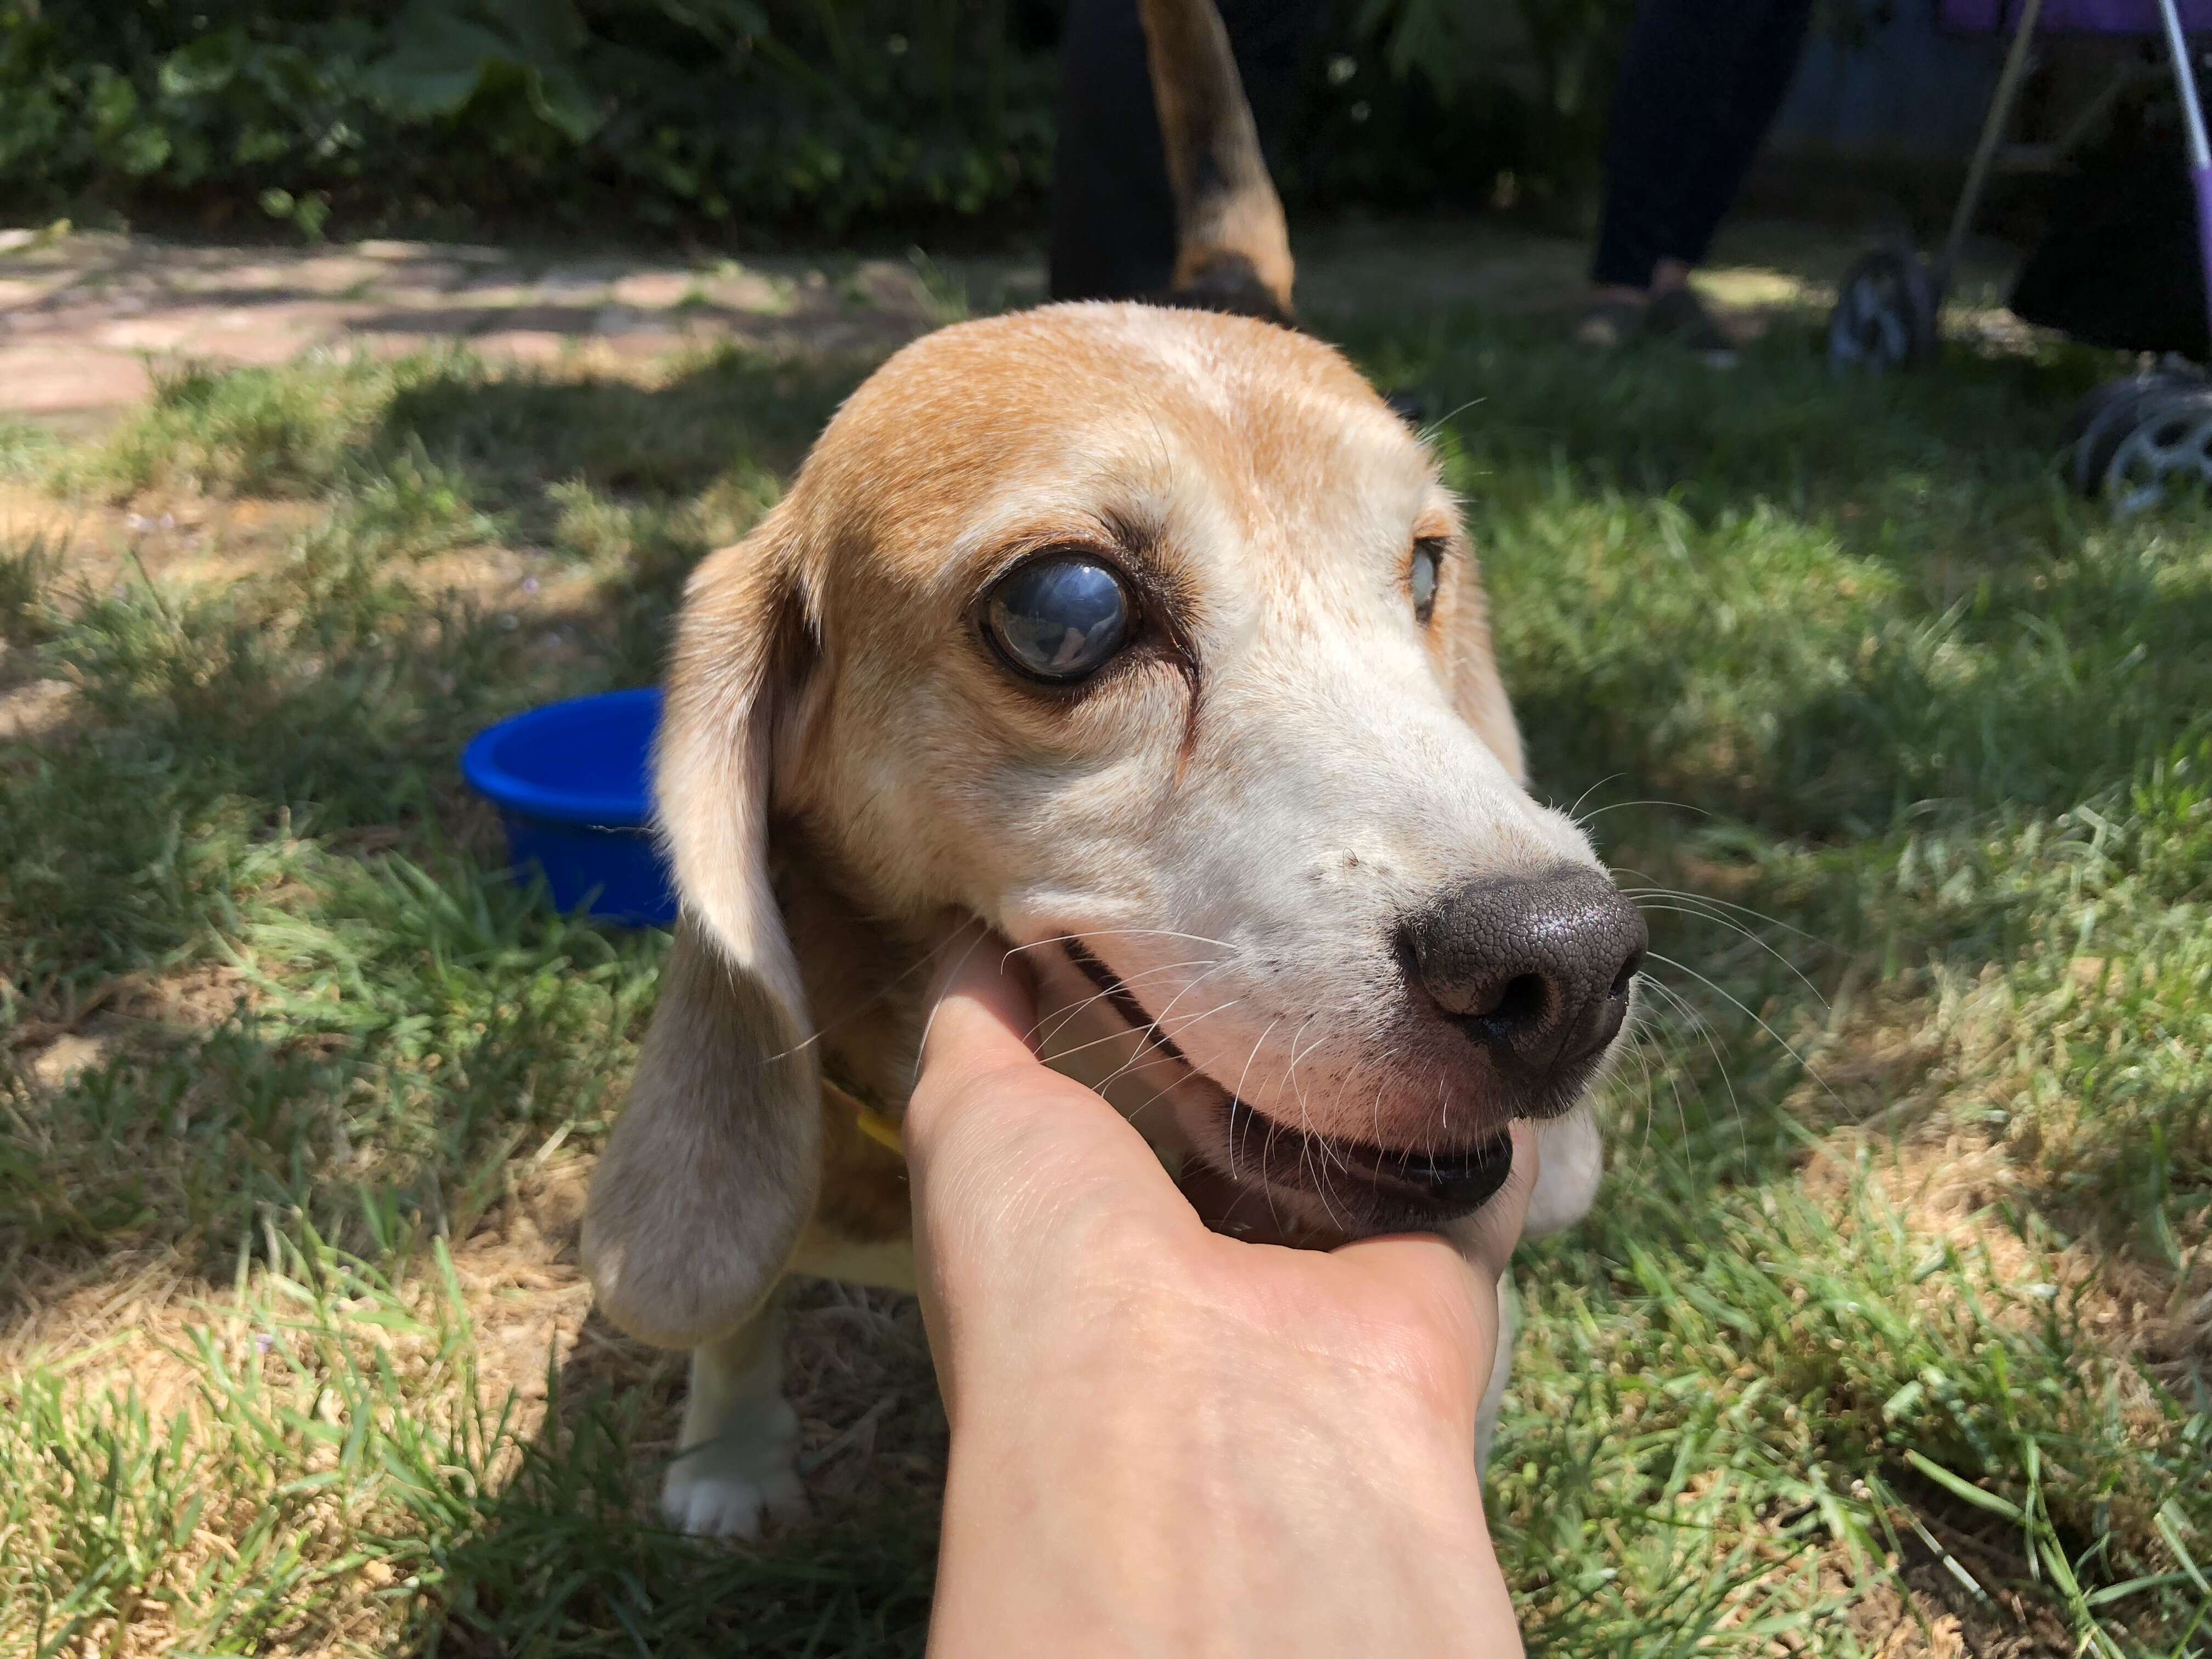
[[1057, 543], [1424, 573], [1161, 594]]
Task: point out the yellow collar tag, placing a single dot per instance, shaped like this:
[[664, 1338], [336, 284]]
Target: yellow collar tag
[[883, 1131]]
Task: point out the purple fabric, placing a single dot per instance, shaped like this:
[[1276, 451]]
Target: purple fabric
[[2071, 16], [2202, 178]]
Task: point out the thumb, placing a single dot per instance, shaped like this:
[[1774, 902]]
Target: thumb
[[988, 1117], [1457, 1278], [1486, 1239]]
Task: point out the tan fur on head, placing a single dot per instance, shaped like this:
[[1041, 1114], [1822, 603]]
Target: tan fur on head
[[1252, 852]]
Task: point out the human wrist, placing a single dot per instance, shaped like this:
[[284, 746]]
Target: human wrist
[[1261, 1520]]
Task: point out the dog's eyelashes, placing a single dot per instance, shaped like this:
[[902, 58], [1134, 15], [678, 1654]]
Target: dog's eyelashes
[[1060, 616], [1428, 566]]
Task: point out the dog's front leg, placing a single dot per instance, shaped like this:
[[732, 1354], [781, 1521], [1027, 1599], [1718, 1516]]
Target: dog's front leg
[[1572, 1164], [1501, 1372], [737, 1462]]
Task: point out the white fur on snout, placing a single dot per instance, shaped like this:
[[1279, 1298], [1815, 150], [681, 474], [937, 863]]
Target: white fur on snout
[[1254, 913]]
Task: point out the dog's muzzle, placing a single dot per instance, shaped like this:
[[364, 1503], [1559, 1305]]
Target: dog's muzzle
[[1534, 972]]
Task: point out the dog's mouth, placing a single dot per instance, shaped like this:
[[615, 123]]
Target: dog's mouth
[[1359, 1187]]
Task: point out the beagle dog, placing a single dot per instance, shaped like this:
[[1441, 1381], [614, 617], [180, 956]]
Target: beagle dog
[[1149, 636]]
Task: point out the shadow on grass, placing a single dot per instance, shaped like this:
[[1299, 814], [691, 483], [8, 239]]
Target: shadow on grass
[[558, 1560], [2004, 704], [334, 699], [1807, 604], [221, 740], [515, 439]]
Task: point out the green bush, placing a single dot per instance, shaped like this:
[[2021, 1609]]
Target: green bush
[[706, 114]]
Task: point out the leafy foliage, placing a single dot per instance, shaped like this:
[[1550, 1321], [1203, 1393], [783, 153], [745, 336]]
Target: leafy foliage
[[717, 114], [705, 109]]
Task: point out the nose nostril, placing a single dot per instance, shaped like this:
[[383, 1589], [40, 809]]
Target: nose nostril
[[1520, 1002], [1629, 971], [1537, 969]]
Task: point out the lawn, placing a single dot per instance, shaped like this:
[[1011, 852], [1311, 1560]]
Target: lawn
[[1892, 1332]]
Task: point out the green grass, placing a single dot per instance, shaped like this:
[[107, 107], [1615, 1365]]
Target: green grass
[[1894, 1319]]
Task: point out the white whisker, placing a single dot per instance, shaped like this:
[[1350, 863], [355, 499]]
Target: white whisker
[[1153, 1029], [930, 1023], [1428, 433], [1119, 933], [1739, 1003], [1735, 926], [1622, 805], [1065, 1014], [1587, 792], [1184, 1073], [1701, 1029], [1236, 1094], [1709, 898]]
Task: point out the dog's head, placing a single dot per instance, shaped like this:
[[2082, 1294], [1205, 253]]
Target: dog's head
[[1152, 638]]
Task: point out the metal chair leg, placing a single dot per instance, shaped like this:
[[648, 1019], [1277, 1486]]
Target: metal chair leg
[[1993, 127], [2200, 153]]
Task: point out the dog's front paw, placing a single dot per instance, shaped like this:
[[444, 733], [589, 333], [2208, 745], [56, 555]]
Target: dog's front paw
[[728, 1487], [731, 1506]]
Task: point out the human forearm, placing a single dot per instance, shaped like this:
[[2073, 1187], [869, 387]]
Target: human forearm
[[1266, 1522]]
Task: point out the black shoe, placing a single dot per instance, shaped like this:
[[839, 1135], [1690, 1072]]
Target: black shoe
[[1681, 316], [1609, 325]]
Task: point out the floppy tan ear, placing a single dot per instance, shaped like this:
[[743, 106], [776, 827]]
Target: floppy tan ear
[[1478, 692], [712, 1168], [1232, 249]]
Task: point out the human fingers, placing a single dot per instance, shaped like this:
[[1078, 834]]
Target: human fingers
[[1445, 1289], [1484, 1241], [1030, 1193], [984, 1095]]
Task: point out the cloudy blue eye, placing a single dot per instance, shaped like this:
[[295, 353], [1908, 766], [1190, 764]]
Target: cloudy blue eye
[[1428, 561], [1059, 617]]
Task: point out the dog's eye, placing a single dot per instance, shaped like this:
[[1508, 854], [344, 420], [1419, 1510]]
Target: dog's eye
[[1059, 618], [1428, 565]]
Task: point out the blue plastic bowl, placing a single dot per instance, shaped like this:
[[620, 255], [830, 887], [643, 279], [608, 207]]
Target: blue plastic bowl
[[572, 782]]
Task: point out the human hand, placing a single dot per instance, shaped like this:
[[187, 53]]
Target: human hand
[[1169, 1441]]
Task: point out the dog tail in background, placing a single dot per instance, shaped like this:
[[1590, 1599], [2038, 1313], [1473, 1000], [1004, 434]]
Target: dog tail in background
[[1232, 249]]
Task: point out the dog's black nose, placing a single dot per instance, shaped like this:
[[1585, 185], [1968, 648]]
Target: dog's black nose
[[1535, 968]]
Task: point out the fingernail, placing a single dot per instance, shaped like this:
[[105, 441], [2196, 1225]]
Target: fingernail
[[962, 944]]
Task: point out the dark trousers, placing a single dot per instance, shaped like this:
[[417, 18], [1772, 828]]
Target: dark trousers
[[1699, 85], [1113, 213]]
